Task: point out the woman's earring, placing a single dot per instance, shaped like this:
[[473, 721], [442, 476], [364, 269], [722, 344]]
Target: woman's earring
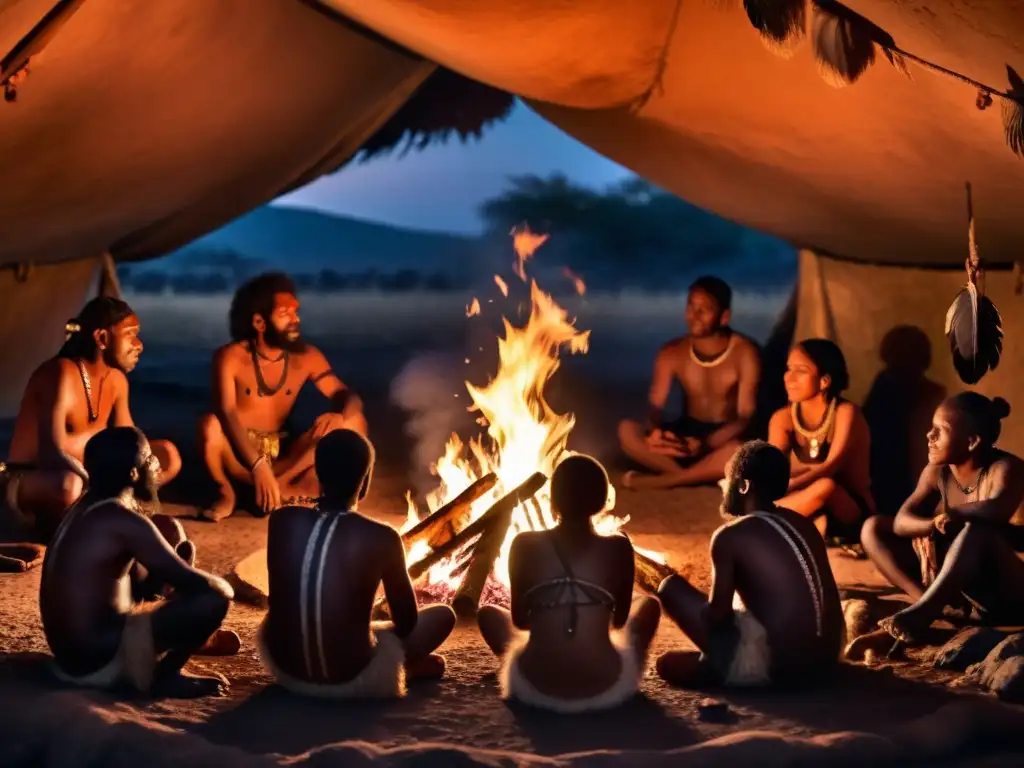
[[744, 488]]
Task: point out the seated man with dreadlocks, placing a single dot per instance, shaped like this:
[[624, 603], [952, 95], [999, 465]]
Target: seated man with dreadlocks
[[773, 615], [256, 379], [952, 543], [582, 643], [105, 552], [325, 566], [70, 398]]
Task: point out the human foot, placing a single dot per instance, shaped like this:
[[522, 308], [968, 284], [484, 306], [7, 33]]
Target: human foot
[[905, 626], [221, 509], [429, 667], [185, 685], [871, 646], [18, 558], [683, 669], [223, 642]]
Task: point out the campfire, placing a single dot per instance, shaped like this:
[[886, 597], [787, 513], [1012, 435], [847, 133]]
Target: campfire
[[497, 486]]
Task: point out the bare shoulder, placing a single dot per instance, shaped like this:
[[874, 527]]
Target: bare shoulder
[[782, 419], [53, 370], [745, 347], [722, 539], [673, 349], [312, 356], [230, 356], [1009, 465]]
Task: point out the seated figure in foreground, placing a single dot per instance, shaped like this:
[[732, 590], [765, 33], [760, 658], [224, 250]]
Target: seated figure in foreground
[[105, 553], [68, 399], [325, 566], [719, 371], [828, 442], [952, 542], [256, 380], [773, 615], [569, 587]]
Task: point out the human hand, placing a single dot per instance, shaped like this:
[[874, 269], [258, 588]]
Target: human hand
[[692, 445], [941, 521], [268, 491], [665, 443]]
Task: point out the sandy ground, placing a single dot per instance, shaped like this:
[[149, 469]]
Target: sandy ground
[[867, 716], [464, 707]]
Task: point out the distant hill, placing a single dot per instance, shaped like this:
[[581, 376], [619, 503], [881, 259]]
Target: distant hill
[[307, 241]]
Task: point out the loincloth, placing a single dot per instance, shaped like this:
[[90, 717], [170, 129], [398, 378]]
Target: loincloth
[[382, 678], [134, 662], [266, 443], [685, 426], [739, 653], [514, 684]]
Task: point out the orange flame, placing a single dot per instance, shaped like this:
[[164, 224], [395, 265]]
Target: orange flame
[[525, 243], [524, 434], [577, 281], [473, 308], [502, 285]]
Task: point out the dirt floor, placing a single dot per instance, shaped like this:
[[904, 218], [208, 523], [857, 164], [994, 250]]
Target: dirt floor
[[464, 708]]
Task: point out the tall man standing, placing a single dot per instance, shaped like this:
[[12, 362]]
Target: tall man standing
[[719, 371], [256, 380]]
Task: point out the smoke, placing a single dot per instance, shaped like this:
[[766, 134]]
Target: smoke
[[431, 389]]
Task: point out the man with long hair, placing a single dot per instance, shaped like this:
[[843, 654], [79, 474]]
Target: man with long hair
[[256, 379], [718, 371], [106, 562], [69, 399]]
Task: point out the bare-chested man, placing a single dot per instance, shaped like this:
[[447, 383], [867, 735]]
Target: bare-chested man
[[104, 553], [581, 643], [719, 371], [325, 567], [256, 379], [70, 398], [773, 616], [952, 542]]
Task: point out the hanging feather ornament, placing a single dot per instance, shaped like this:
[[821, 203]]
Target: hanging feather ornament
[[1013, 112], [973, 324], [782, 23], [844, 44]]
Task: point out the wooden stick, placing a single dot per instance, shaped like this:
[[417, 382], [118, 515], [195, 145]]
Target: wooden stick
[[442, 525], [481, 563], [480, 525], [648, 574], [37, 38], [502, 507]]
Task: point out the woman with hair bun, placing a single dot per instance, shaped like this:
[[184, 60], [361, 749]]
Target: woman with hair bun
[[828, 442], [953, 543]]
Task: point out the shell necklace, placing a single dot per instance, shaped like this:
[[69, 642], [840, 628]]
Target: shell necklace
[[715, 360], [814, 437]]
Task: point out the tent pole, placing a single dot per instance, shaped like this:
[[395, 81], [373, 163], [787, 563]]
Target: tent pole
[[36, 39], [109, 284]]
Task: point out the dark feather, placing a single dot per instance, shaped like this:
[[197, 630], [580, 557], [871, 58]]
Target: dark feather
[[1013, 113], [975, 333], [446, 103], [782, 23], [844, 43]]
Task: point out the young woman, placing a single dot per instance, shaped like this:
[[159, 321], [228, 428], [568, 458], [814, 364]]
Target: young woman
[[570, 588], [828, 441]]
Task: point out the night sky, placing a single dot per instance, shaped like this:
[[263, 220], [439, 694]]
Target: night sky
[[441, 187]]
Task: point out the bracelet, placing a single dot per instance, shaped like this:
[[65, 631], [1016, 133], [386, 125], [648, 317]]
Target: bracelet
[[261, 459]]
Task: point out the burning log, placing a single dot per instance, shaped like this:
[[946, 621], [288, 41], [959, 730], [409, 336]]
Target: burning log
[[444, 524], [648, 574], [497, 518], [486, 551]]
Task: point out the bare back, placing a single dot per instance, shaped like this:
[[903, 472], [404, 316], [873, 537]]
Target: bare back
[[711, 392], [775, 587], [346, 557], [587, 653], [55, 410]]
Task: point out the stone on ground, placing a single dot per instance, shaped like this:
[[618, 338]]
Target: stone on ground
[[968, 647]]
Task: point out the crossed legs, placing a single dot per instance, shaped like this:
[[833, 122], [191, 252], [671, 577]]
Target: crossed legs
[[433, 626], [709, 468]]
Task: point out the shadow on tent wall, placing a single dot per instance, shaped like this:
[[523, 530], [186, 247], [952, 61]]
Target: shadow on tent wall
[[899, 409]]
